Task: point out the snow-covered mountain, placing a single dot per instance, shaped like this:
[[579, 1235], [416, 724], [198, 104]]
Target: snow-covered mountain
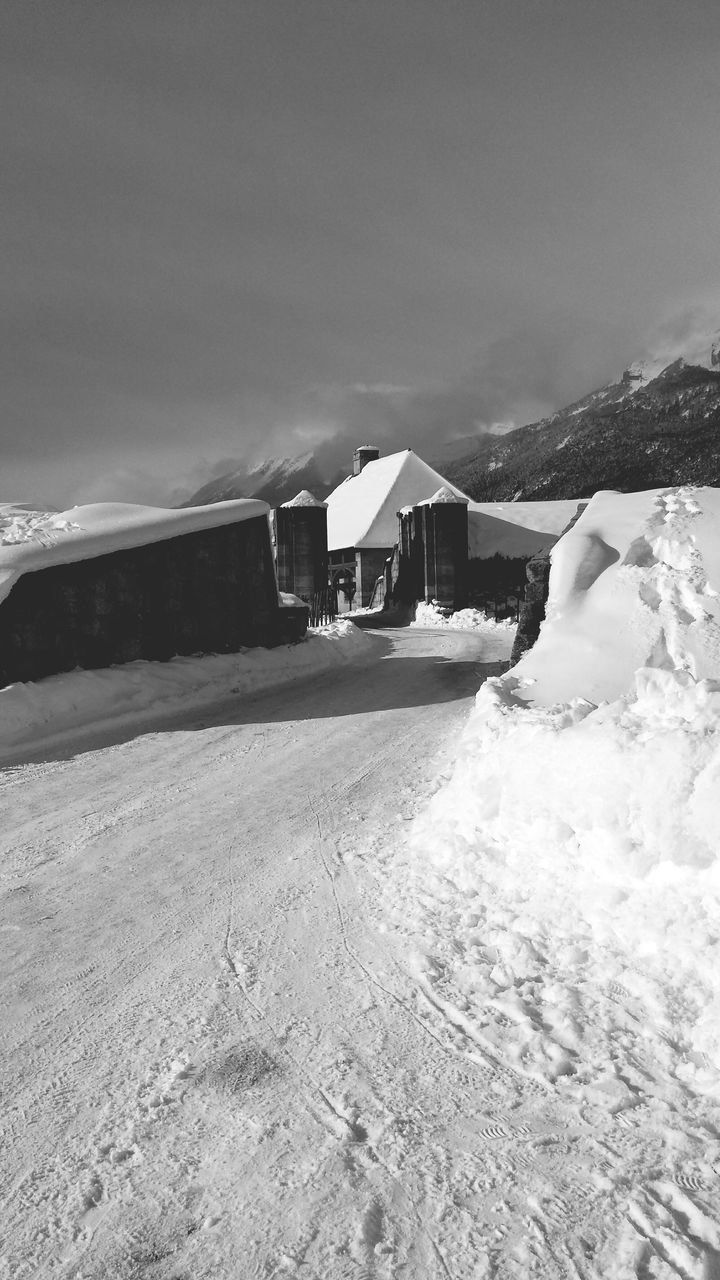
[[275, 480], [658, 424]]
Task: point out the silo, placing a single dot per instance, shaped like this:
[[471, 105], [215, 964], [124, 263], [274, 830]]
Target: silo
[[445, 548], [301, 545]]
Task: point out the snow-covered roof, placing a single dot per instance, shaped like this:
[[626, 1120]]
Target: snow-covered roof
[[444, 495], [304, 499], [516, 528], [31, 539], [546, 517], [362, 511]]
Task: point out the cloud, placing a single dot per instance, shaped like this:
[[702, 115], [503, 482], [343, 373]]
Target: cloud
[[687, 329], [517, 377]]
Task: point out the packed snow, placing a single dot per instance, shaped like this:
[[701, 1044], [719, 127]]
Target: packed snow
[[371, 976], [32, 539], [34, 714]]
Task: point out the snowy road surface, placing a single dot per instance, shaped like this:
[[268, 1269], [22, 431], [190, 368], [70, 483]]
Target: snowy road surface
[[219, 1058], [211, 1061]]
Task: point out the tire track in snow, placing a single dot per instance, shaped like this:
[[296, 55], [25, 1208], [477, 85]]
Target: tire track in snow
[[340, 1124]]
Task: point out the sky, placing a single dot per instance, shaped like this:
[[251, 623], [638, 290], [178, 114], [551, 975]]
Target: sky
[[256, 228]]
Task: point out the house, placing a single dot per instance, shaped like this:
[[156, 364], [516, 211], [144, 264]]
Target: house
[[362, 517]]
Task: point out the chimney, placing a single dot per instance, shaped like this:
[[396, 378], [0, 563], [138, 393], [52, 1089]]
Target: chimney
[[363, 454]]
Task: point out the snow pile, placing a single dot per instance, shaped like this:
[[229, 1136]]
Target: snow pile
[[21, 523], [32, 714], [567, 875], [431, 615]]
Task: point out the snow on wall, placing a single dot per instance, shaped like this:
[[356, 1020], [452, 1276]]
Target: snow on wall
[[577, 842], [31, 539], [211, 590]]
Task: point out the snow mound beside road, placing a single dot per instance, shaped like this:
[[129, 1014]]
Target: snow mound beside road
[[571, 863], [430, 615], [32, 714]]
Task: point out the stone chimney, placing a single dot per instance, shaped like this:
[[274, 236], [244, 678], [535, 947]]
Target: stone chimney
[[363, 454]]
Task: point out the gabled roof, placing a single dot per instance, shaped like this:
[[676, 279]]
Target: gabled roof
[[362, 511]]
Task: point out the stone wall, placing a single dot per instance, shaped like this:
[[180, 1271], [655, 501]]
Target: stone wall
[[532, 611], [211, 591]]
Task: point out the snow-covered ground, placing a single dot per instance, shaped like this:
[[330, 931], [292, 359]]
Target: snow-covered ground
[[212, 1061], [63, 706], [370, 977], [562, 890]]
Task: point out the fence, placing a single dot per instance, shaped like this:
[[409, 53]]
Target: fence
[[323, 607], [499, 607]]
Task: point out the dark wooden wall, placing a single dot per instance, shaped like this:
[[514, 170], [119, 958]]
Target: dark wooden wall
[[211, 591], [302, 551]]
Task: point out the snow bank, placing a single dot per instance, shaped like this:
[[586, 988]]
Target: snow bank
[[31, 714], [501, 634], [31, 539], [575, 850]]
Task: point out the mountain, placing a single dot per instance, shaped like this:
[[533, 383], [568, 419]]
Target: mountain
[[275, 481], [657, 426]]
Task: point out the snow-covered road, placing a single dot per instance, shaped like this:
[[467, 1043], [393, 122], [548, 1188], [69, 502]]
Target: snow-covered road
[[248, 1030], [214, 1063]]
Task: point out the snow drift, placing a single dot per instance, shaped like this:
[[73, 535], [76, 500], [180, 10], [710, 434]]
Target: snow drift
[[35, 714], [576, 843]]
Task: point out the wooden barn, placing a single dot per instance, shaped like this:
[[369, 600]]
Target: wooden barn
[[112, 582]]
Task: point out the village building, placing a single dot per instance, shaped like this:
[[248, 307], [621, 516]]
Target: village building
[[362, 517]]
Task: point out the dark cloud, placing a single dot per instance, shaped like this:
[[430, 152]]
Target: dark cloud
[[244, 229]]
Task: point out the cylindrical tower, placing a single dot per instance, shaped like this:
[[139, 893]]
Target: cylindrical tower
[[445, 548], [301, 545]]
